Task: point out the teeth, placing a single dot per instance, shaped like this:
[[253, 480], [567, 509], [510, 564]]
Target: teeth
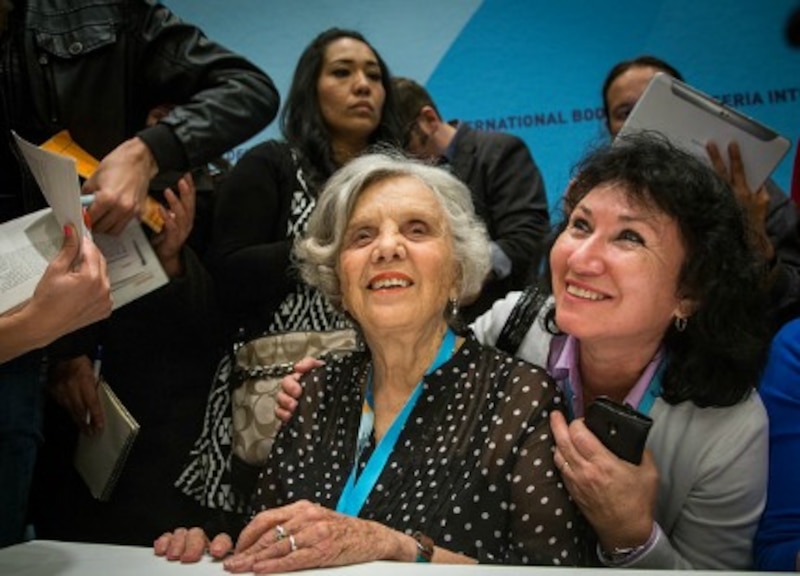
[[583, 293], [390, 283]]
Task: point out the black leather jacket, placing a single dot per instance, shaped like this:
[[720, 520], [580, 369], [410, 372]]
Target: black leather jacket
[[97, 67]]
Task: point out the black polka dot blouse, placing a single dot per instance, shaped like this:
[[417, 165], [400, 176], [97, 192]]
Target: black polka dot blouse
[[473, 467]]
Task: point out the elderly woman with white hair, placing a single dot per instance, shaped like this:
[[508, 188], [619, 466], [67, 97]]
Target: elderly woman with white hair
[[427, 446]]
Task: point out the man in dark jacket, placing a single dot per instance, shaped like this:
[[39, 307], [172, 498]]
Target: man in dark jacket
[[507, 188], [96, 69]]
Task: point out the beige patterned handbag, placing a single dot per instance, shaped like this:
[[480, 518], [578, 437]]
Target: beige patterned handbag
[[259, 366]]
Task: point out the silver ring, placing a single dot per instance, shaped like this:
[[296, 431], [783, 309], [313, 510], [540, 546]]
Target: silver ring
[[280, 533], [292, 543]]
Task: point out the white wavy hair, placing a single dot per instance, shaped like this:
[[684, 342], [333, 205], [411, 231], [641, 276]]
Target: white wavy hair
[[317, 252]]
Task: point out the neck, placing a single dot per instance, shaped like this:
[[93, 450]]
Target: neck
[[611, 373], [345, 150], [399, 363], [443, 136]]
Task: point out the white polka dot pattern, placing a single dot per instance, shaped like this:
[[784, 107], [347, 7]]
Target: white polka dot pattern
[[473, 467]]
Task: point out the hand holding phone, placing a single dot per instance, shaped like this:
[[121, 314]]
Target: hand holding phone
[[619, 427]]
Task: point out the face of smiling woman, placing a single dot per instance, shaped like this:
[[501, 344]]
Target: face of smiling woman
[[615, 271], [396, 265]]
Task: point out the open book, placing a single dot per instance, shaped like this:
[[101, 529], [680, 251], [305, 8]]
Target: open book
[[29, 243], [100, 459]]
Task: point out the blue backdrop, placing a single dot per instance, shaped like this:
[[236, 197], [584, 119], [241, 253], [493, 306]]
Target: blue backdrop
[[534, 68]]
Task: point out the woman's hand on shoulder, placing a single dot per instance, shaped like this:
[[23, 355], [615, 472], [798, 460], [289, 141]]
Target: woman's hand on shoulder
[[286, 401], [189, 545], [618, 498]]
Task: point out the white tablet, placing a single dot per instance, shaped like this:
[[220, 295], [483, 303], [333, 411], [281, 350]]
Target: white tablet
[[689, 119]]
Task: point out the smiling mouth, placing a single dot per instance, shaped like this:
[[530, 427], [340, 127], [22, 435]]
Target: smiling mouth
[[385, 283], [584, 294]]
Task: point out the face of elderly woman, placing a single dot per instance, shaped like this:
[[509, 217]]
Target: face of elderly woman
[[396, 265], [615, 271]]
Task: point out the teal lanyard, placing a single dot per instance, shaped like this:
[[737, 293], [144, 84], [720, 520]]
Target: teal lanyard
[[356, 491], [653, 390]]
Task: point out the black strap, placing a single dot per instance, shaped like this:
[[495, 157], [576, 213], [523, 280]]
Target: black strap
[[520, 320]]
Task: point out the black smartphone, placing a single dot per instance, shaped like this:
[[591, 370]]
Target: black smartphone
[[619, 427]]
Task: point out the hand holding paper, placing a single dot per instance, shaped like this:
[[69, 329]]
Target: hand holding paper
[[120, 185]]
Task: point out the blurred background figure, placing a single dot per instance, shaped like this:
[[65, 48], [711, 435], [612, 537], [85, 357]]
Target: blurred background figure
[[507, 189], [95, 70]]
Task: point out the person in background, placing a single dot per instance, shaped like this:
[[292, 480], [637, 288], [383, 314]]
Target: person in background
[[158, 357], [339, 104], [426, 446], [506, 185], [207, 180], [777, 542], [772, 216], [657, 303], [95, 69], [74, 291]]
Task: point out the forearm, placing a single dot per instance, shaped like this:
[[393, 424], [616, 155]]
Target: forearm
[[20, 332]]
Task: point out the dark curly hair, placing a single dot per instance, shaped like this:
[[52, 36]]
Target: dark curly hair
[[718, 359], [301, 119]]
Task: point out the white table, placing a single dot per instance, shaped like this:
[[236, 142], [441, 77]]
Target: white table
[[49, 558]]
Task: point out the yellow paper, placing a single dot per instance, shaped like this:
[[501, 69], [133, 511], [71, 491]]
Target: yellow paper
[[62, 143]]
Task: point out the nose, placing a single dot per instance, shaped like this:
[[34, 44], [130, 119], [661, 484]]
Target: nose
[[588, 257], [389, 246], [361, 82]]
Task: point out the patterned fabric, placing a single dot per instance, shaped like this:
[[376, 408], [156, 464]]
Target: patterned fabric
[[472, 468], [214, 477]]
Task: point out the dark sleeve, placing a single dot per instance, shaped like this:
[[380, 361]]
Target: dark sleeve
[[222, 98], [516, 202], [249, 252], [783, 230]]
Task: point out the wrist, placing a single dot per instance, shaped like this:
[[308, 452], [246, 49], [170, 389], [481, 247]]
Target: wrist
[[619, 555]]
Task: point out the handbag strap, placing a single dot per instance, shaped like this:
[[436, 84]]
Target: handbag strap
[[520, 320]]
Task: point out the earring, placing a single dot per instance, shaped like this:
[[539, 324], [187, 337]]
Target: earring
[[453, 307], [680, 323]]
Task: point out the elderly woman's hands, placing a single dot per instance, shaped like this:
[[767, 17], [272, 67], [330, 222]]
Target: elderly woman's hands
[[189, 545], [617, 498], [305, 535]]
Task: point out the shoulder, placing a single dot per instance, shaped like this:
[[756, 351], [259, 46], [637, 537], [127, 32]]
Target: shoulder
[[535, 345], [270, 150], [487, 326], [502, 374], [715, 433]]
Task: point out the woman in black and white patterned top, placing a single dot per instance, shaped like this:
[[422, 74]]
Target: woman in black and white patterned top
[[428, 446]]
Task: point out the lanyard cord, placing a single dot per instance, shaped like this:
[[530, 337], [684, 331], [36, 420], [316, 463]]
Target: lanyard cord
[[356, 491]]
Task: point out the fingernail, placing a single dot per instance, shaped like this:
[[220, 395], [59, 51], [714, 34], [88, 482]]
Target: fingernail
[[87, 219], [68, 231]]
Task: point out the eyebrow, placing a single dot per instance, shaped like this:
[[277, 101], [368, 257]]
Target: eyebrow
[[647, 219], [352, 61]]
